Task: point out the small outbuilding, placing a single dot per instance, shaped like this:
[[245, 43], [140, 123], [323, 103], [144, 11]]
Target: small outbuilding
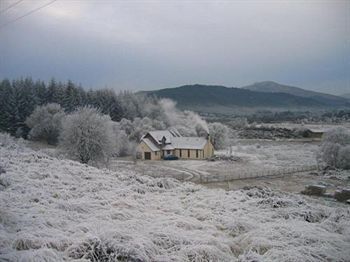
[[316, 133], [155, 145]]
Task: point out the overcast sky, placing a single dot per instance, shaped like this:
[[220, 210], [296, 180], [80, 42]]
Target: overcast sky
[[156, 44]]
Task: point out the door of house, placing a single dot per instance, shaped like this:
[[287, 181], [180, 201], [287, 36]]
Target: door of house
[[147, 155]]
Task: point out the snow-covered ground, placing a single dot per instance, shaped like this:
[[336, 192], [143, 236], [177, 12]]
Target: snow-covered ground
[[54, 210], [267, 155], [255, 158]]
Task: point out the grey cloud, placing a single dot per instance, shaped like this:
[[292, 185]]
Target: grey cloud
[[155, 44]]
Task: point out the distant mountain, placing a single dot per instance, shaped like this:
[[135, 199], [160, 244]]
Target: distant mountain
[[208, 97], [346, 95], [273, 87]]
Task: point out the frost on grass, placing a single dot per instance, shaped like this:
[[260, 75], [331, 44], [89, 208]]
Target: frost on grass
[[54, 210]]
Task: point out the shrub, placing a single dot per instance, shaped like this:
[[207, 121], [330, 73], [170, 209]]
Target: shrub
[[218, 135], [45, 123], [124, 147], [87, 135], [335, 148], [344, 157]]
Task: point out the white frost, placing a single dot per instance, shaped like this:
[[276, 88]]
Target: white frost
[[54, 209]]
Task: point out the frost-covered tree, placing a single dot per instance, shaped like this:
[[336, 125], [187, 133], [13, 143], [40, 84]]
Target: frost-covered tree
[[141, 127], [87, 135], [124, 146], [45, 123], [130, 104], [128, 133], [218, 135], [344, 157], [20, 97], [7, 104], [334, 150], [238, 123]]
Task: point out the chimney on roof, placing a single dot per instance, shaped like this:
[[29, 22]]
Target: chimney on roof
[[163, 140]]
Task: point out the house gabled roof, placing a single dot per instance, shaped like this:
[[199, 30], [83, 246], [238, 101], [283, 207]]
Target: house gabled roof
[[189, 142], [150, 144], [158, 135], [173, 140]]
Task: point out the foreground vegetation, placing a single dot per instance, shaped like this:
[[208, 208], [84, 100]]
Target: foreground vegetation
[[53, 210]]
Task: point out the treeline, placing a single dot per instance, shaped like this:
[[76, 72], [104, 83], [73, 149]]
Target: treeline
[[266, 116], [334, 116], [95, 124], [19, 98]]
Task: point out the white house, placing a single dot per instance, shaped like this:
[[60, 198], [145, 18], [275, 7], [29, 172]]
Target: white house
[[157, 144]]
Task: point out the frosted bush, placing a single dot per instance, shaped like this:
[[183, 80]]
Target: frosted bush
[[343, 160], [339, 135], [45, 123], [218, 135], [87, 135], [123, 146], [61, 210], [238, 123], [6, 140], [335, 148]]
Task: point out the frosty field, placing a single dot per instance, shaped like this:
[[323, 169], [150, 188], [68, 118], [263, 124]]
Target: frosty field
[[253, 158], [53, 210]]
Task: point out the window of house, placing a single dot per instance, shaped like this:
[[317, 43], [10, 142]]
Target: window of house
[[155, 152], [188, 153], [168, 152], [180, 153], [196, 153]]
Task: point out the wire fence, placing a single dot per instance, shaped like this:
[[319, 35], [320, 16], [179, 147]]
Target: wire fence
[[247, 175]]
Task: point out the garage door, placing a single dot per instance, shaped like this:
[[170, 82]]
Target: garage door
[[148, 155]]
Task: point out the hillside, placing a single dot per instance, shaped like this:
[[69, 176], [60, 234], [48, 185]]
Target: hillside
[[273, 87], [205, 97], [347, 95], [61, 210]]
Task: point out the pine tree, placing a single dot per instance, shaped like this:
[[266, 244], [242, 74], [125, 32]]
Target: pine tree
[[58, 95], [51, 92], [26, 101], [71, 99], [7, 103], [20, 97], [40, 92]]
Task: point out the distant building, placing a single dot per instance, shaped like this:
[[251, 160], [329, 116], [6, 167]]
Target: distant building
[[314, 133], [157, 144]]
